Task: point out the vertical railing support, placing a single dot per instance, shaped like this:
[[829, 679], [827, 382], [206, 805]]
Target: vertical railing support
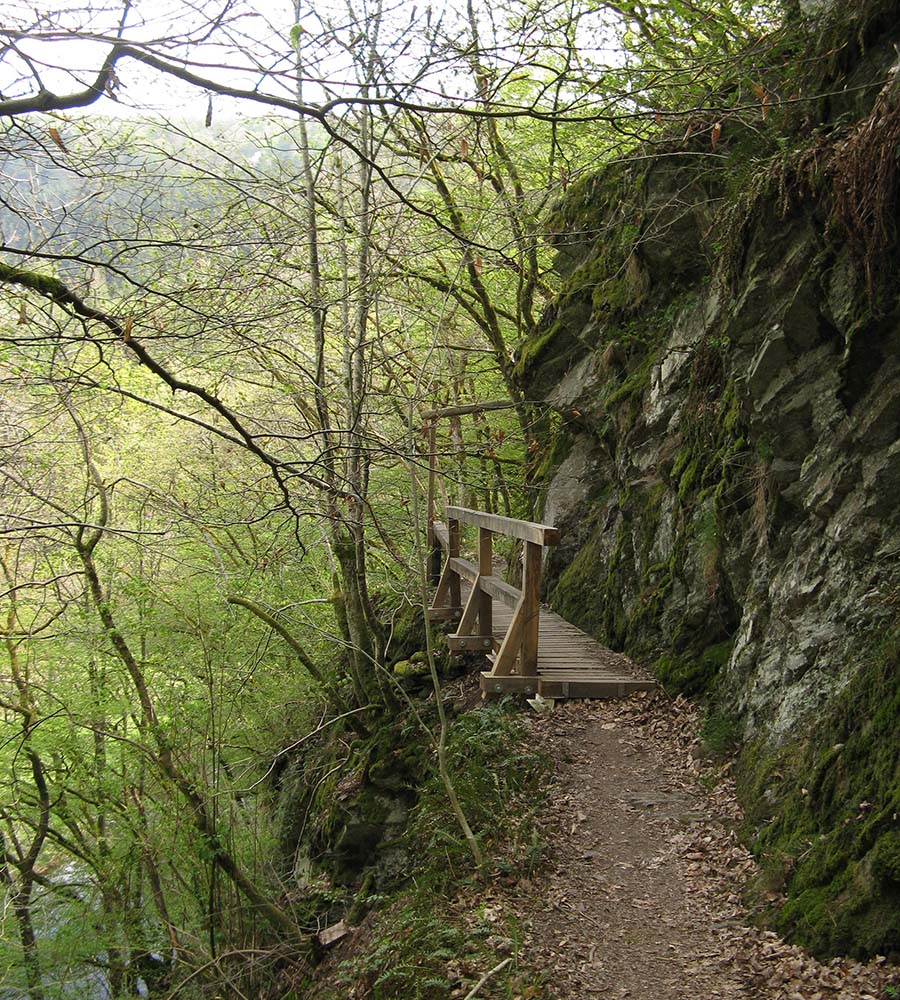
[[485, 568], [434, 549], [531, 595], [453, 553]]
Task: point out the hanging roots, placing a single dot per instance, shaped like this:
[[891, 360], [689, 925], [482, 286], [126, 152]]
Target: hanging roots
[[865, 177]]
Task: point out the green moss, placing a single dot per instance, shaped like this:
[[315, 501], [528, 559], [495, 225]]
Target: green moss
[[689, 477], [693, 675], [53, 288], [830, 802], [634, 385], [549, 459], [594, 199], [409, 668], [578, 594], [556, 334], [730, 409], [886, 858], [681, 461], [721, 733]]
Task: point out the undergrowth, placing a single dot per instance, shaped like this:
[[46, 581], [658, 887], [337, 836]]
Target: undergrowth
[[437, 934]]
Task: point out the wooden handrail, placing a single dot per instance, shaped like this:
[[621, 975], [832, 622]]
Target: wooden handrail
[[517, 650], [441, 535], [528, 531]]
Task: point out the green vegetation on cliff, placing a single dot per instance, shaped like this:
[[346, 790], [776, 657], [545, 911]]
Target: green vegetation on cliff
[[824, 816], [724, 353]]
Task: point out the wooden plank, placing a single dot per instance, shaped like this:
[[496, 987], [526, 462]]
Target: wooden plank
[[501, 590], [531, 596], [467, 570], [441, 535], [485, 569], [330, 936], [529, 531], [579, 670], [591, 688]]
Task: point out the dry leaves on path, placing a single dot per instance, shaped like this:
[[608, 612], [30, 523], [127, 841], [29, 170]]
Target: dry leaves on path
[[643, 896]]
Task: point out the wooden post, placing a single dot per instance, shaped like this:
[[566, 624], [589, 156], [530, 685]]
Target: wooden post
[[485, 568], [453, 532], [434, 549], [531, 594]]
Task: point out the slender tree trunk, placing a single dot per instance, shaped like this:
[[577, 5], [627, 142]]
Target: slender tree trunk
[[21, 904], [26, 861], [86, 542]]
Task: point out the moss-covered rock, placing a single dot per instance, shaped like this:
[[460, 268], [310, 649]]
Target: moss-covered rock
[[693, 675], [727, 492], [832, 805]]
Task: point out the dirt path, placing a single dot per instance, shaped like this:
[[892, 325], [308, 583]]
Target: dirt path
[[643, 895]]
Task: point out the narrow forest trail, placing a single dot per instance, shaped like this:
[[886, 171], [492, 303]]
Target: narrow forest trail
[[643, 893]]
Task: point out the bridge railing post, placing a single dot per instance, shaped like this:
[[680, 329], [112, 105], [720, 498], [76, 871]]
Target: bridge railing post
[[434, 548], [453, 553], [531, 594], [485, 568]]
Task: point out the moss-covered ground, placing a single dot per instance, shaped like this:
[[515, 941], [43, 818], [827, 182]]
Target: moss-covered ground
[[425, 929]]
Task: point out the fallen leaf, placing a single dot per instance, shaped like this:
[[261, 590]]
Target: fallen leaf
[[57, 138]]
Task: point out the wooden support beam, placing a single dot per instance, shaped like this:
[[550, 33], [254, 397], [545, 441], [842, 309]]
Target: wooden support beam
[[444, 614], [453, 553], [493, 686], [531, 598], [592, 687], [470, 643], [434, 548], [443, 588], [470, 616], [509, 648], [485, 569]]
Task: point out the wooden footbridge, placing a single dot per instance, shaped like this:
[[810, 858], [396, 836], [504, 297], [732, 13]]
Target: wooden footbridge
[[531, 650]]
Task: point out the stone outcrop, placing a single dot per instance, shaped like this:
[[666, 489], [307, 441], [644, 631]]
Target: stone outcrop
[[724, 363]]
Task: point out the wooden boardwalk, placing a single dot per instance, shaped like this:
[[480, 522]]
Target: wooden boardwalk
[[570, 663], [531, 649]]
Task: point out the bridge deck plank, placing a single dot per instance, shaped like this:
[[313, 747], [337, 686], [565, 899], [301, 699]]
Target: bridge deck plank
[[571, 664]]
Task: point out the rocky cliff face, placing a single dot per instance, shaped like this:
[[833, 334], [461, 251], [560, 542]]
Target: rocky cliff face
[[724, 465]]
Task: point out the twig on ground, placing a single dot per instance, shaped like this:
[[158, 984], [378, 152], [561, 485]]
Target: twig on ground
[[497, 968]]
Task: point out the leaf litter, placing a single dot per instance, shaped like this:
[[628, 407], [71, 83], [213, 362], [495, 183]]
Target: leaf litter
[[643, 891]]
